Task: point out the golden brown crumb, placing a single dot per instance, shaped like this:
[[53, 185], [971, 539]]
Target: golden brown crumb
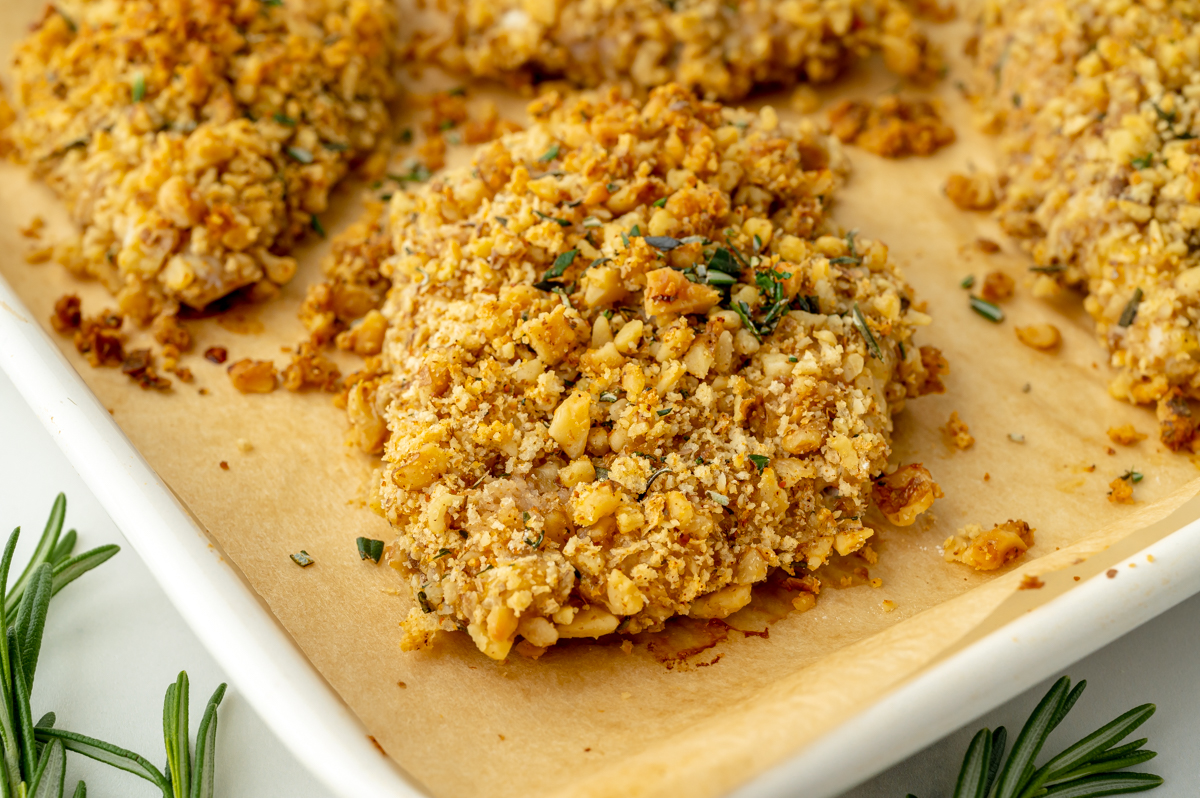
[[67, 313], [138, 365], [311, 369], [1043, 337], [997, 287], [986, 245], [586, 455], [169, 331], [1121, 491], [34, 228], [1125, 435], [887, 605], [100, 340], [216, 354], [1110, 450], [891, 127], [958, 433], [224, 465], [1031, 582], [933, 10], [40, 254], [905, 494], [1176, 426], [971, 192], [987, 550], [253, 376]]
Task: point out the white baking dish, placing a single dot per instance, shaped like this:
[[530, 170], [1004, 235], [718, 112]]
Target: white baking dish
[[270, 671]]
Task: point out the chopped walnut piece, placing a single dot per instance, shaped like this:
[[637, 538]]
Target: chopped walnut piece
[[1121, 491], [253, 376], [892, 127], [971, 192], [310, 369], [216, 354], [933, 366], [906, 493], [958, 433], [100, 340], [1125, 435], [1176, 427], [67, 313], [987, 245], [365, 337], [168, 330], [1043, 337], [987, 550], [138, 365], [997, 287], [669, 291]]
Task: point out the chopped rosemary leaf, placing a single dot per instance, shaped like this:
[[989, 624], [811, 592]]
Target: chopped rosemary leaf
[[665, 411], [561, 264], [1130, 312], [317, 227], [719, 278], [660, 202], [845, 259], [693, 240], [636, 232], [335, 146], [760, 461], [485, 570], [284, 119], [1133, 475], [665, 243], [1055, 269], [369, 549], [860, 321], [793, 359], [721, 260], [549, 155], [625, 240], [967, 282], [592, 222], [719, 498], [650, 481], [548, 217], [536, 544], [417, 173], [1144, 162], [991, 312], [441, 553], [600, 262], [302, 559], [743, 311], [139, 87], [300, 154], [608, 396]]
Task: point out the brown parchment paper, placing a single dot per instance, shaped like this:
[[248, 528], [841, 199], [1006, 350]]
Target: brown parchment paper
[[588, 719]]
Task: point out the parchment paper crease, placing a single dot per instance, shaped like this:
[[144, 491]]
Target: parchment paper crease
[[589, 719]]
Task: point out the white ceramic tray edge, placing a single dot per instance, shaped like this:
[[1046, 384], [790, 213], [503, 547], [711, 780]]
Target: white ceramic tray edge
[[262, 661]]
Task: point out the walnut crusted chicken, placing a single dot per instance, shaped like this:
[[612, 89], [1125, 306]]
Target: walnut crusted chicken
[[720, 50], [1097, 104], [194, 140], [630, 369]]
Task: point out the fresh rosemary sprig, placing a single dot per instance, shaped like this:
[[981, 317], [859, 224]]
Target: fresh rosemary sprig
[[29, 767], [1085, 770]]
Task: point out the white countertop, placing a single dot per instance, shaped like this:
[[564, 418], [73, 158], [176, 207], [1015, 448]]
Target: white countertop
[[113, 643]]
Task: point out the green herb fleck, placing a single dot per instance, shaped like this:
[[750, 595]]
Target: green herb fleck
[[601, 473], [549, 155], [441, 553], [300, 154], [743, 311], [561, 264], [719, 498], [369, 549], [1144, 162], [1131, 308], [967, 282], [1133, 475], [860, 322], [665, 411], [423, 600], [793, 359], [650, 481], [665, 243], [989, 311], [608, 396], [284, 119], [139, 87], [661, 202], [548, 217], [760, 461], [536, 544], [317, 227], [302, 559]]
